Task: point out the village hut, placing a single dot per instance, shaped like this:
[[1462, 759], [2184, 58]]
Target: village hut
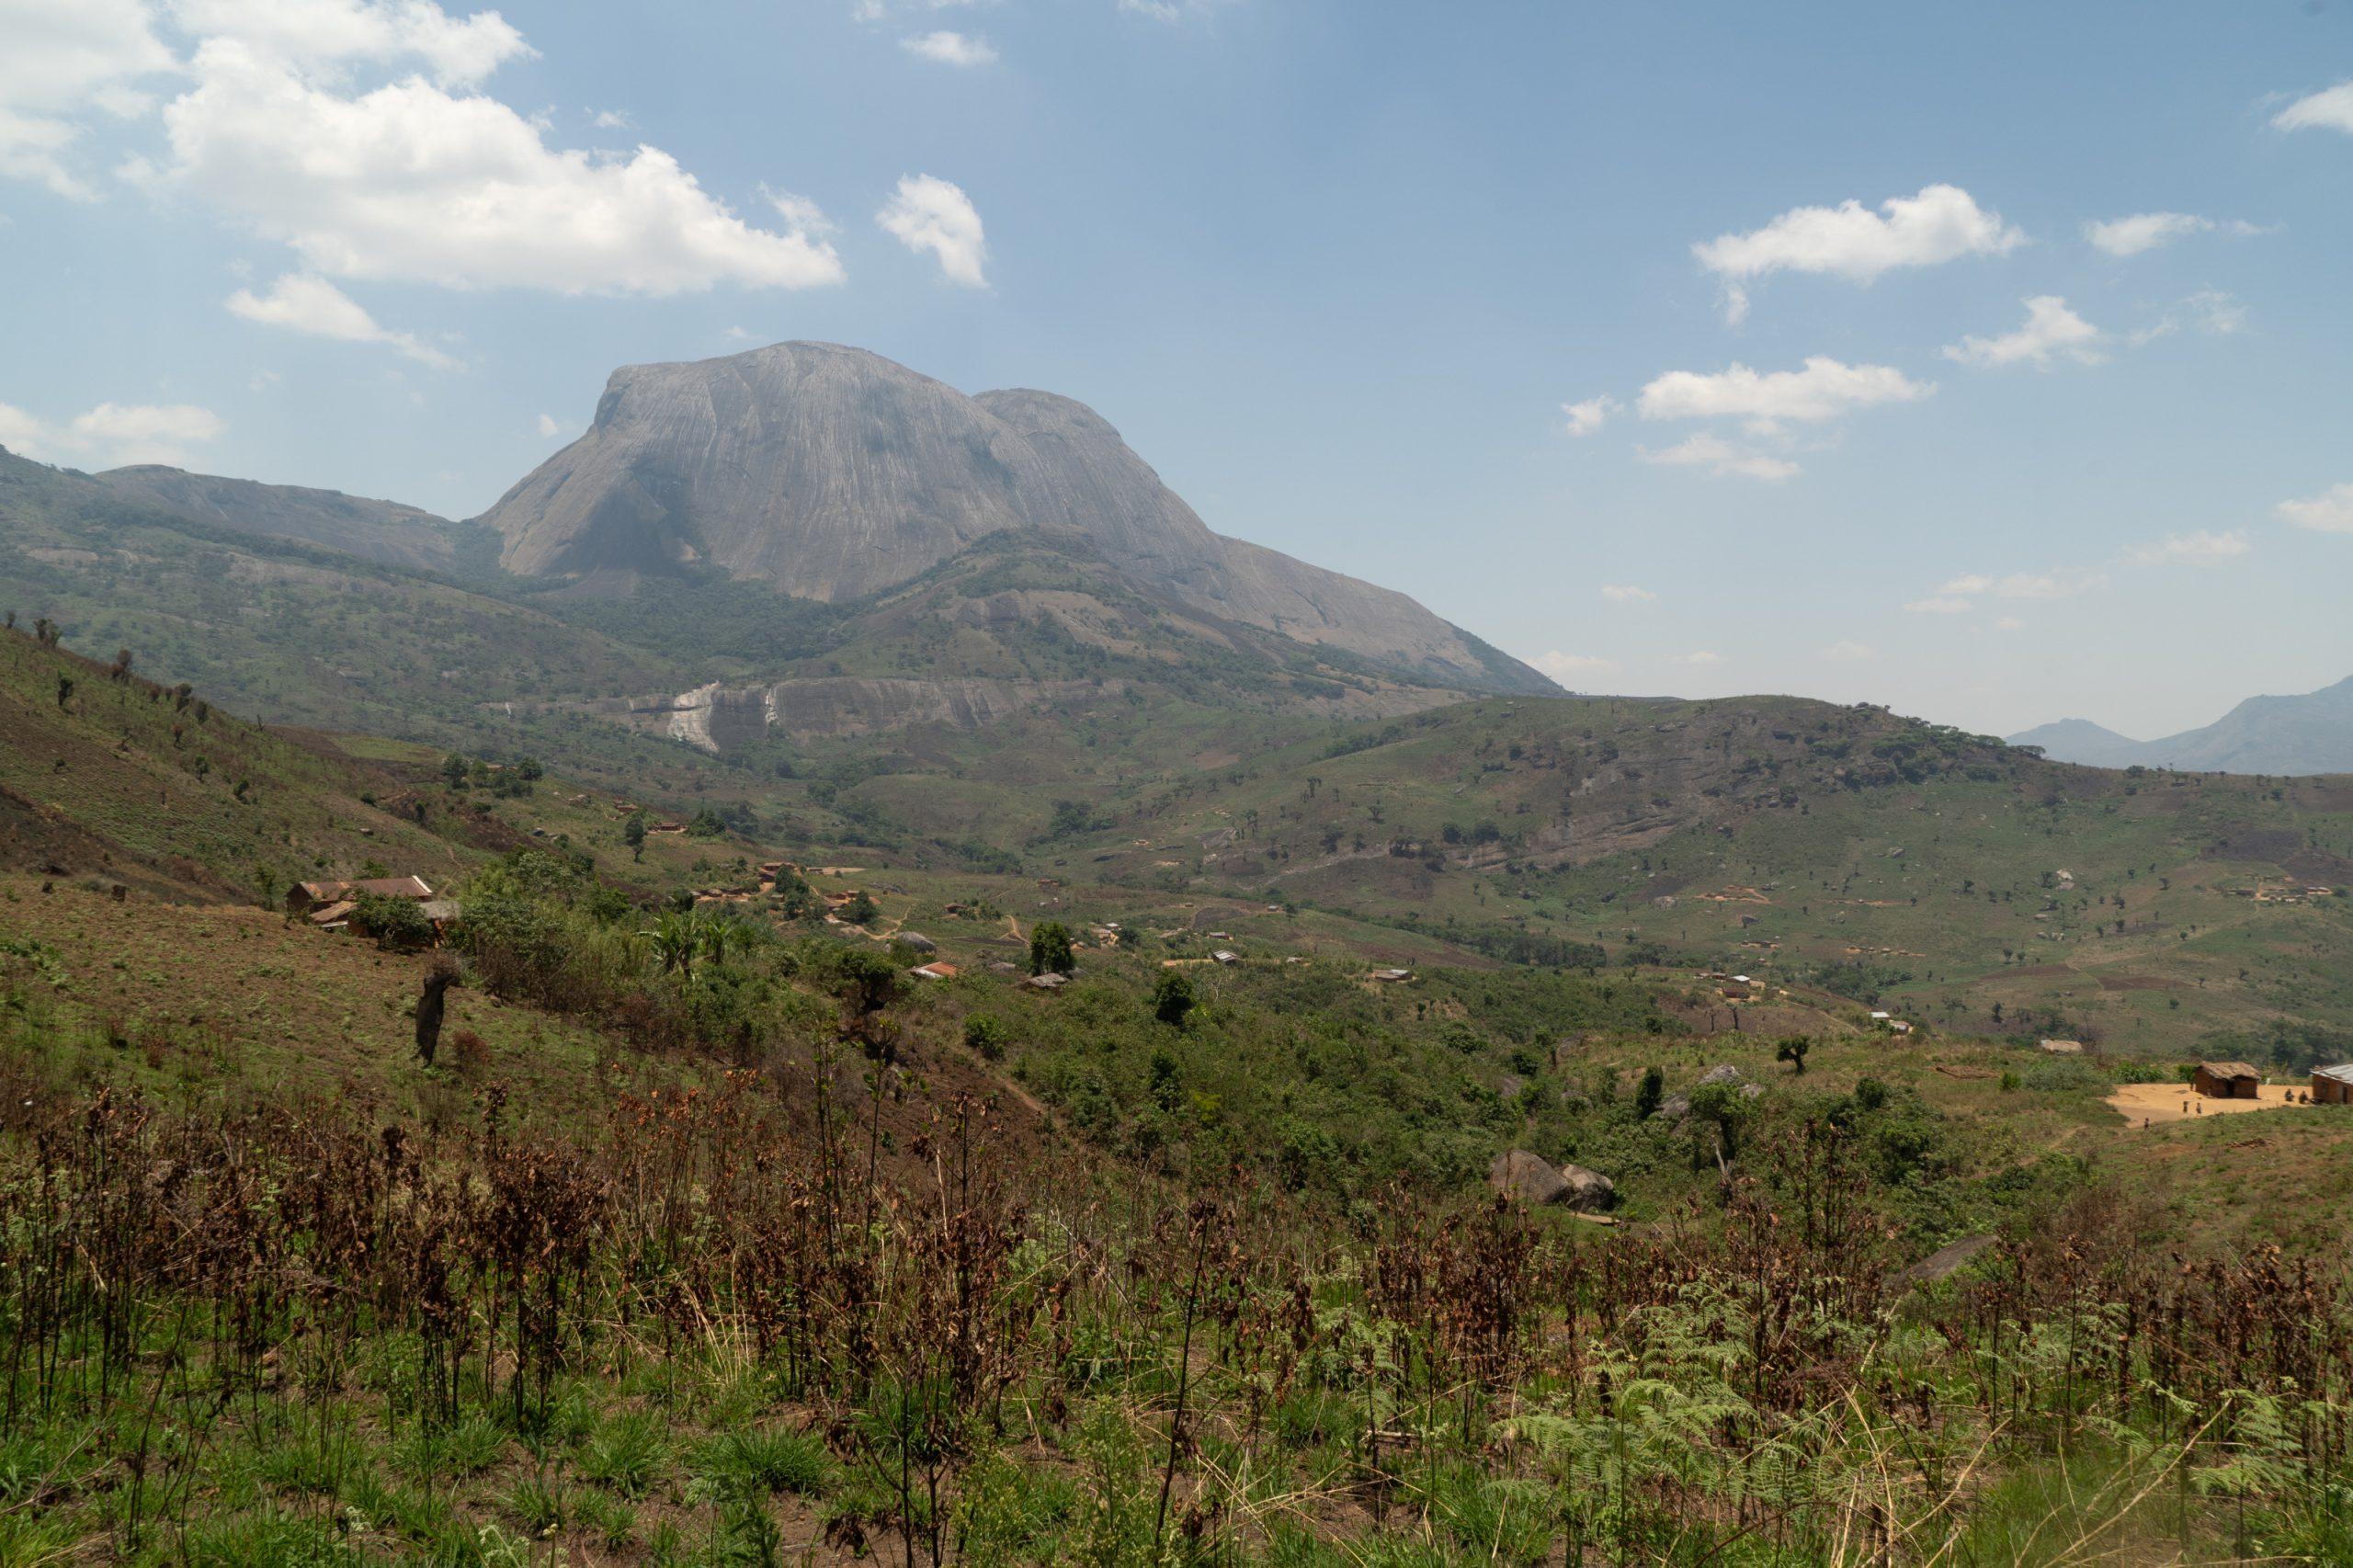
[[2227, 1081]]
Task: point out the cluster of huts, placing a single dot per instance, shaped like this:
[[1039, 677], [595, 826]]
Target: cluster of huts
[[329, 906]]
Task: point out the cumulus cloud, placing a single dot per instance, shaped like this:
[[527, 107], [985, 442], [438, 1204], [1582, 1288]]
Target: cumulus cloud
[[1700, 660], [1824, 389], [1584, 418], [313, 33], [2330, 109], [2330, 512], [1722, 458], [1957, 595], [548, 426], [1850, 240], [1847, 651], [929, 214], [1626, 594], [2197, 549], [1568, 668], [2148, 231], [424, 179], [2046, 584], [302, 301], [2210, 311], [950, 48], [1169, 10], [2051, 328], [610, 119], [111, 434], [63, 60]]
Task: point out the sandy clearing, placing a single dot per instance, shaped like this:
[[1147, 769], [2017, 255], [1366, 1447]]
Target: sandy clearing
[[2165, 1102]]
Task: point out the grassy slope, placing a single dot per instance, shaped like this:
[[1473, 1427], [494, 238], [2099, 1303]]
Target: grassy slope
[[1845, 836]]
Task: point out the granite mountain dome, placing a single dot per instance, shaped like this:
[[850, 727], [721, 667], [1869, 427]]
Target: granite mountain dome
[[833, 474]]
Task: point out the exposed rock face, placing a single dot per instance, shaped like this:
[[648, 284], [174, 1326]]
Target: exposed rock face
[[1529, 1178], [834, 473], [374, 530]]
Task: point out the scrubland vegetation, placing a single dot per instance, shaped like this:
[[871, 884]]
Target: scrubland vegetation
[[815, 1263]]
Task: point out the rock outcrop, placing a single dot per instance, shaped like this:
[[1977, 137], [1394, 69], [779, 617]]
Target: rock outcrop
[[1530, 1178], [834, 474]]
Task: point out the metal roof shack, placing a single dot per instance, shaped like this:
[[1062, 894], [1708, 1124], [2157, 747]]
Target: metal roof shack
[[303, 896], [2228, 1080], [935, 971], [2332, 1085]]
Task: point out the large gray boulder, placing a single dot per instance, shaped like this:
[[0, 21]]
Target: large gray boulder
[[1533, 1179], [1526, 1178]]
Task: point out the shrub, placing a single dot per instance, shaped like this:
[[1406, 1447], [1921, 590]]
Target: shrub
[[397, 923], [985, 1033], [1173, 999]]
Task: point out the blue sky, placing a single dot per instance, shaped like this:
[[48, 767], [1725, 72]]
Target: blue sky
[[1701, 348]]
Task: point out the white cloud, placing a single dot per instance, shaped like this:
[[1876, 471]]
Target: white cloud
[[1567, 667], [950, 48], [548, 426], [63, 60], [302, 301], [610, 119], [1957, 595], [1698, 661], [2330, 512], [1849, 652], [1825, 389], [308, 34], [929, 214], [1169, 10], [415, 182], [1626, 594], [2197, 549], [2330, 109], [111, 434], [1720, 457], [2047, 585], [2213, 311], [2051, 328], [736, 335], [1584, 418], [1942, 223], [2144, 231], [2009, 623]]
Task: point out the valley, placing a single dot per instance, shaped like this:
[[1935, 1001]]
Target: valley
[[891, 1012]]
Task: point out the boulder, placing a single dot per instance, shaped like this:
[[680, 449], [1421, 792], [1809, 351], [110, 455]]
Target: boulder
[[1587, 1190], [1526, 1178], [919, 941], [1530, 1178], [1944, 1263], [1727, 1073]]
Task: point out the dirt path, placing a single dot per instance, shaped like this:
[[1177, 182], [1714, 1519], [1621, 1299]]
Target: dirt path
[[2162, 1103]]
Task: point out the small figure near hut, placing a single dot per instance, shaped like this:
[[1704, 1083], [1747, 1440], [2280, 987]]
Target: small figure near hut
[[439, 979]]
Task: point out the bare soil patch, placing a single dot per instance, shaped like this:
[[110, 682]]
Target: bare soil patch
[[2159, 1103]]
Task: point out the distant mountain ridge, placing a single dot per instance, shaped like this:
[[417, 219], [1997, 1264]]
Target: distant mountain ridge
[[2309, 734], [832, 473], [383, 531]]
